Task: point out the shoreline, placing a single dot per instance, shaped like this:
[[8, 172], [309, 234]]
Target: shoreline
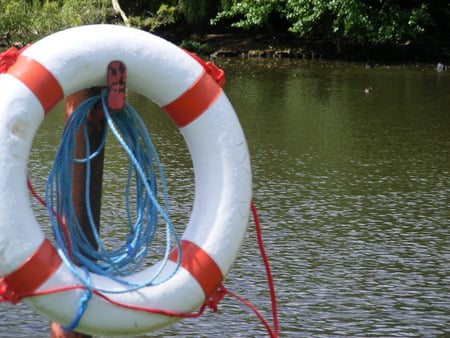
[[260, 45], [264, 46]]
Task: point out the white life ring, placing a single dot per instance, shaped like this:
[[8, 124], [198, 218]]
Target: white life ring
[[77, 58]]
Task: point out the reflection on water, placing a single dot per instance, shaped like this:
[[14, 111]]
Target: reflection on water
[[352, 191]]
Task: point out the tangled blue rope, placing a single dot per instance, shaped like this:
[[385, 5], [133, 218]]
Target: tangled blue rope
[[142, 206]]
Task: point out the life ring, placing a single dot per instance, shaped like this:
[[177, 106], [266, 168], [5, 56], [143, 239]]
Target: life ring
[[77, 58]]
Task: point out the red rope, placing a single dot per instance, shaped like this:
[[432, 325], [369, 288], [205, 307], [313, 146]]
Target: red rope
[[212, 301], [270, 282], [58, 218]]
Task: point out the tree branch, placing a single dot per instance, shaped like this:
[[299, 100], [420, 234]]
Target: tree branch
[[118, 10]]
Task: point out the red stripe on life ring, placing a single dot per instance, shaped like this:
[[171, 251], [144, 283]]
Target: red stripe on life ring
[[194, 101], [200, 265], [39, 80], [28, 277]]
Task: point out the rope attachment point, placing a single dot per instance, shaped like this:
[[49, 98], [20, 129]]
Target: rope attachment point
[[215, 72], [9, 57], [215, 298], [28, 277]]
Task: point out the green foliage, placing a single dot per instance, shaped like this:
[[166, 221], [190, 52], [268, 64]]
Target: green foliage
[[194, 11], [375, 21], [381, 22], [23, 21], [193, 46], [249, 13], [15, 19], [357, 22], [83, 12], [165, 15]]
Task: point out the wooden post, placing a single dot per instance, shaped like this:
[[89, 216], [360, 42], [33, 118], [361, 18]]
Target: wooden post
[[96, 125]]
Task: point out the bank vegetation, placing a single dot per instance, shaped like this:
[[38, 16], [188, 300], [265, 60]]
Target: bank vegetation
[[336, 28]]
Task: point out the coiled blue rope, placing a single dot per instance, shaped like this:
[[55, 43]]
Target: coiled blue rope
[[142, 206]]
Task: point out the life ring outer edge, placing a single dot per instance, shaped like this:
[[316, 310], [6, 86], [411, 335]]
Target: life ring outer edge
[[232, 201]]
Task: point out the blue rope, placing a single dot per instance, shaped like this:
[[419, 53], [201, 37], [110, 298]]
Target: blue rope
[[140, 195], [84, 300]]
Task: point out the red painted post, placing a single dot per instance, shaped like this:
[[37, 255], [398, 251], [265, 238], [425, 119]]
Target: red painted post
[[96, 125]]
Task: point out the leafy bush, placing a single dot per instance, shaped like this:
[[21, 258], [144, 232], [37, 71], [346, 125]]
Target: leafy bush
[[165, 15], [356, 21], [24, 21]]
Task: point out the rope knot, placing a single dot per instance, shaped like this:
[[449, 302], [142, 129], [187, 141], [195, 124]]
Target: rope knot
[[215, 298], [7, 293], [9, 57]]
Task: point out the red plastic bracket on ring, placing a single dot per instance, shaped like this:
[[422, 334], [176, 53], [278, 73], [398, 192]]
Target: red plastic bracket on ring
[[29, 276], [216, 73], [116, 79], [7, 293], [216, 297]]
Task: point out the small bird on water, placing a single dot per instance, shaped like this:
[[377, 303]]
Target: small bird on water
[[440, 67]]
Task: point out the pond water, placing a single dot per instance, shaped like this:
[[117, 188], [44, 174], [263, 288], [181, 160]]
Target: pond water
[[352, 189]]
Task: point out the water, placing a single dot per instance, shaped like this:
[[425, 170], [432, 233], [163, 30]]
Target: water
[[352, 191]]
